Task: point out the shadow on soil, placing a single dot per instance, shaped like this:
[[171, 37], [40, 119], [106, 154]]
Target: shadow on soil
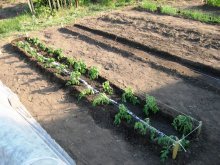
[[90, 137], [13, 11], [206, 8]]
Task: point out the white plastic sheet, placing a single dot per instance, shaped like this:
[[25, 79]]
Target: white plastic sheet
[[22, 140]]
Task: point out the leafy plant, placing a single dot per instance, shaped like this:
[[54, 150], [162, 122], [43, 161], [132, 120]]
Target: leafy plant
[[61, 68], [164, 153], [122, 114], [142, 129], [71, 61], [80, 66], [93, 73], [150, 105], [184, 142], [128, 95], [183, 123], [107, 88], [101, 99], [49, 50], [74, 78], [166, 142], [49, 63], [40, 59], [58, 54], [152, 135], [85, 92], [42, 46]]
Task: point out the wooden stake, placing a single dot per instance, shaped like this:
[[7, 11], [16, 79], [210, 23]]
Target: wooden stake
[[175, 149], [199, 128]]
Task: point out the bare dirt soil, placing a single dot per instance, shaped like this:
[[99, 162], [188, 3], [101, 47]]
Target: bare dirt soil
[[84, 136]]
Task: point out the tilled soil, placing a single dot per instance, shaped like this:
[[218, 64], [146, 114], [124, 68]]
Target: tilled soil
[[83, 135], [186, 39]]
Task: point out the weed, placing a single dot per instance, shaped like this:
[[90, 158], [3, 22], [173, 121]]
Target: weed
[[142, 129], [150, 105], [101, 99], [183, 124], [128, 95], [107, 88], [93, 73], [85, 92], [80, 66], [122, 114], [74, 78]]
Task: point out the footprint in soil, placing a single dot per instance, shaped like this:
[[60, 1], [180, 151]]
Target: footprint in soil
[[111, 66]]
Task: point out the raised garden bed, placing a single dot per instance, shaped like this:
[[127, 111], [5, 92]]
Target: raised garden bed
[[144, 116]]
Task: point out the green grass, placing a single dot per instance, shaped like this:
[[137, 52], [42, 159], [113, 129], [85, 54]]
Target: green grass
[[151, 6], [26, 22], [190, 14], [215, 3], [169, 10]]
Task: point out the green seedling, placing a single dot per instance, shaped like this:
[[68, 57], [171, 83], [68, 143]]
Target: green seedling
[[71, 61], [93, 73], [80, 66], [101, 99], [58, 54], [122, 115], [42, 46], [150, 105], [49, 63], [40, 59], [49, 51], [128, 95], [85, 92], [183, 123], [74, 78], [141, 128], [107, 88]]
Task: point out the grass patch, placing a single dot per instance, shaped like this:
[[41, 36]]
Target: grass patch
[[191, 14], [26, 22], [169, 10], [215, 3], [149, 6]]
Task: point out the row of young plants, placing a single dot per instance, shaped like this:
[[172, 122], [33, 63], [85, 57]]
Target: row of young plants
[[74, 70]]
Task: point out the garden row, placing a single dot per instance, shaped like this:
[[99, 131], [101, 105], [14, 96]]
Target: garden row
[[163, 125]]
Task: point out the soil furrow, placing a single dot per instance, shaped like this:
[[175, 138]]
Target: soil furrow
[[206, 69], [153, 62]]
